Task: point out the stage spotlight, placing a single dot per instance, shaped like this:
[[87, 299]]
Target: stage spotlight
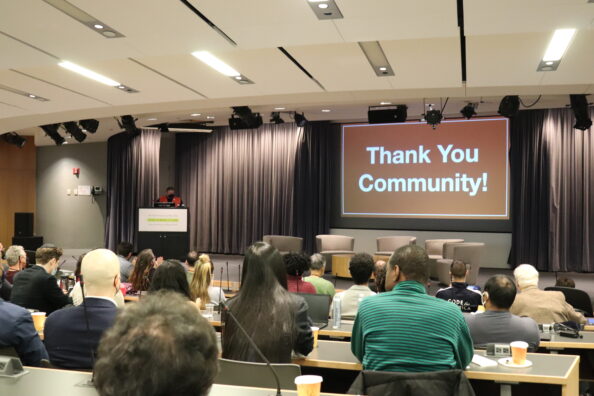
[[128, 123], [276, 118], [509, 106], [52, 131], [90, 125], [300, 119], [468, 111], [579, 105], [433, 117], [246, 120], [15, 139], [73, 129]]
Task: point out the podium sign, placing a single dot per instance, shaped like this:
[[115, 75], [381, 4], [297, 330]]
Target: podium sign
[[164, 230], [162, 220]]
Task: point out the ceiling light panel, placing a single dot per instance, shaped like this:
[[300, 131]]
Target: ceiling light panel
[[216, 63], [556, 49], [88, 73], [28, 95], [377, 59], [326, 9], [86, 19]]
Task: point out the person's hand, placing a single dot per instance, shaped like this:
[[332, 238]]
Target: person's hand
[[159, 261]]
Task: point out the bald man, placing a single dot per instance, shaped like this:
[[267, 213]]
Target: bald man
[[72, 334]]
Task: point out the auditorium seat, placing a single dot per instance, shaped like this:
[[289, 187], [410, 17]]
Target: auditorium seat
[[387, 245], [434, 249], [329, 245], [578, 299], [234, 372], [284, 244], [469, 252]]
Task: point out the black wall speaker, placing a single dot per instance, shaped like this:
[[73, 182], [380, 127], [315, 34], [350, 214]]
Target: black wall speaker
[[23, 224]]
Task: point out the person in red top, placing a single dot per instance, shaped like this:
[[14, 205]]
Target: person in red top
[[296, 264], [171, 197]]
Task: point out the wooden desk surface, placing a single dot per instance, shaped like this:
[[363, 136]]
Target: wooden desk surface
[[558, 342]]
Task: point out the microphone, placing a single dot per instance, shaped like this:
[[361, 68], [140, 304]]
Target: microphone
[[228, 288], [221, 290], [238, 276], [297, 280], [253, 344], [88, 329]]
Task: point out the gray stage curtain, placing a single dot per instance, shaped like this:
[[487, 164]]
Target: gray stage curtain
[[553, 197], [238, 184], [132, 182]]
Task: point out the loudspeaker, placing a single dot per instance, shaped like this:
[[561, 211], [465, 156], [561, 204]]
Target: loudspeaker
[[387, 114], [28, 242], [23, 224]]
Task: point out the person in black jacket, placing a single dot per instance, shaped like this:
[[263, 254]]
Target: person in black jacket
[[275, 319], [468, 300], [36, 287]]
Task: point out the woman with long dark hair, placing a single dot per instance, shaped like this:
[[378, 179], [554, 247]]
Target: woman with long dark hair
[[275, 319], [143, 271], [171, 276]]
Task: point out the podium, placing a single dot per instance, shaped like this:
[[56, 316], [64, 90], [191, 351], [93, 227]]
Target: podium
[[164, 230]]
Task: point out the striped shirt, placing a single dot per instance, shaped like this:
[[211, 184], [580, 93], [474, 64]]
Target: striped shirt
[[407, 330]]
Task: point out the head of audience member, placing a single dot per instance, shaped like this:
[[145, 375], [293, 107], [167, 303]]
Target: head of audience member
[[48, 257], [170, 192], [100, 269], [379, 273], [201, 281], [16, 258], [499, 293], [317, 264], [361, 268], [526, 276], [171, 276], [176, 349], [458, 271], [191, 259], [125, 249], [79, 265], [139, 278], [296, 263], [565, 282], [262, 267], [408, 263]]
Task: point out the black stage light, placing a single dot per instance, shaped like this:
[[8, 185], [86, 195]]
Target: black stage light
[[579, 105], [52, 131], [509, 106], [468, 111], [300, 119], [246, 120], [15, 139], [73, 129], [276, 118], [90, 125], [129, 124], [433, 117]]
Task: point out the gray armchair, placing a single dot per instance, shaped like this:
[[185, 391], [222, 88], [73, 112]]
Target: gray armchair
[[387, 245], [284, 244], [434, 249], [469, 252], [329, 245]]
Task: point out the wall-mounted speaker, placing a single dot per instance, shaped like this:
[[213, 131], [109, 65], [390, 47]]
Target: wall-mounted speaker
[[23, 224]]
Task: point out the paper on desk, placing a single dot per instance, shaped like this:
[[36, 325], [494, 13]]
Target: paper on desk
[[483, 361]]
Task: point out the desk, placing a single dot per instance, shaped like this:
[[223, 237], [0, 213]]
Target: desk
[[49, 382], [557, 342], [562, 370]]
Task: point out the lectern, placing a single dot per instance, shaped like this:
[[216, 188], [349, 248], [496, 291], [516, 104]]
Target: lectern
[[164, 230]]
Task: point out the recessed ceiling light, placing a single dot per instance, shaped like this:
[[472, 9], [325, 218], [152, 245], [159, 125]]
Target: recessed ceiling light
[[32, 96], [151, 119], [88, 73], [109, 34], [549, 62], [385, 103], [216, 63], [210, 117], [98, 26], [323, 5], [558, 44], [238, 77], [195, 114], [325, 110], [279, 108], [383, 68]]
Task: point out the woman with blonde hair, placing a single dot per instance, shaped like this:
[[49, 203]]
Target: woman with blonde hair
[[201, 286]]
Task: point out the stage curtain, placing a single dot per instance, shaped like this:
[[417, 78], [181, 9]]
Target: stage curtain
[[552, 182], [238, 185], [132, 182]]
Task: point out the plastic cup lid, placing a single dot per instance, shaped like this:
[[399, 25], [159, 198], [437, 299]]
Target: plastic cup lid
[[308, 379], [519, 344], [313, 328]]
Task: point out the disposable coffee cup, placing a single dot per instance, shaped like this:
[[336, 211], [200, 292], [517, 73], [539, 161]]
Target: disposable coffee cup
[[519, 349], [315, 331], [38, 321], [308, 385]]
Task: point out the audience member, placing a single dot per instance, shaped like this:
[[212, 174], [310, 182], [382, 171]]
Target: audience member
[[468, 300], [72, 334], [124, 251], [17, 331], [143, 271], [76, 292], [276, 319], [360, 267], [16, 258], [171, 276], [379, 274], [565, 282], [497, 324], [36, 287], [190, 264], [157, 347], [542, 306], [296, 264], [201, 286], [317, 268], [404, 329]]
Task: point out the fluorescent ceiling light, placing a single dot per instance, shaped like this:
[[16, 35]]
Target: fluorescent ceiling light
[[98, 26], [216, 63], [279, 108], [322, 5], [210, 117], [558, 44], [385, 103], [195, 114], [88, 73], [325, 110], [151, 119]]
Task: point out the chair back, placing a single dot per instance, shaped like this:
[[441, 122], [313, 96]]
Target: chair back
[[471, 253], [334, 243], [434, 247], [284, 243], [318, 306], [234, 372], [392, 243], [577, 298], [8, 351]]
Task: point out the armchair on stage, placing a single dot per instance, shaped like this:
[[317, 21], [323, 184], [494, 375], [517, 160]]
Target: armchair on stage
[[470, 253], [164, 230]]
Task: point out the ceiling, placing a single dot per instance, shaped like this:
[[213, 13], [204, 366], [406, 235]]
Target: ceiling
[[505, 41]]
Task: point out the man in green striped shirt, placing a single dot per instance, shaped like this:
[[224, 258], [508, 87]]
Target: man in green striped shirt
[[407, 330]]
